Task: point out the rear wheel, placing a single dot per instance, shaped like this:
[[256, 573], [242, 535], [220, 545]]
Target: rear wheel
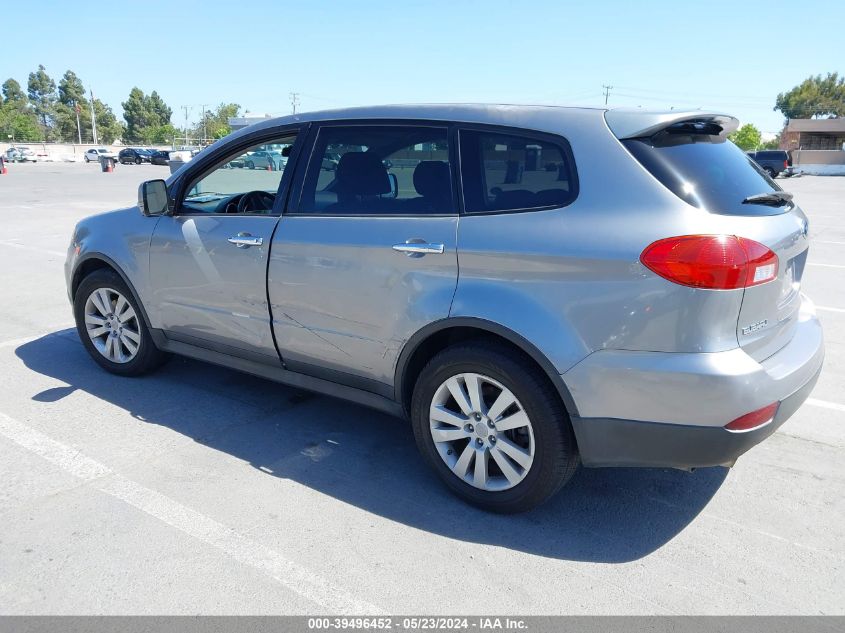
[[110, 325], [137, 160], [772, 173], [493, 427], [250, 164]]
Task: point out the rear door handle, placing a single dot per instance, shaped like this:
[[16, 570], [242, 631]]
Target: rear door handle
[[419, 248], [245, 240]]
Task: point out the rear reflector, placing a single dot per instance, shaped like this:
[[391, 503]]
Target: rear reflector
[[715, 262], [754, 419]]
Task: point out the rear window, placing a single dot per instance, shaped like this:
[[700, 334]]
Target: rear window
[[706, 171], [512, 172]]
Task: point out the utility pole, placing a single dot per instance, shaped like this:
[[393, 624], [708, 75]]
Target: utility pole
[[78, 128], [294, 101], [187, 110], [93, 119], [607, 90], [204, 132]]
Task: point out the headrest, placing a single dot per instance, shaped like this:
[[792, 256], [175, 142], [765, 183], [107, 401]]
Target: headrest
[[362, 174], [431, 179]]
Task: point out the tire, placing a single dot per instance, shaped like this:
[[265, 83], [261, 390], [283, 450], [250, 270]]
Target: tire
[[147, 356], [138, 160], [87, 160], [772, 173], [250, 165], [555, 457]]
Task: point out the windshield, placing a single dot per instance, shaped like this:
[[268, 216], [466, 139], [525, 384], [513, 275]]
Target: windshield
[[707, 171]]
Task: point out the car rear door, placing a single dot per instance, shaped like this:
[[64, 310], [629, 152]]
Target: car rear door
[[365, 255]]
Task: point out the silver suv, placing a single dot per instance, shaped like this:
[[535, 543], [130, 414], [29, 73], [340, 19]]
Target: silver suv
[[533, 287]]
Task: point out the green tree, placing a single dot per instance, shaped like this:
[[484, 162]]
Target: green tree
[[216, 122], [814, 97], [42, 95], [20, 124], [747, 137], [71, 97], [12, 92], [109, 129], [157, 107], [147, 117]]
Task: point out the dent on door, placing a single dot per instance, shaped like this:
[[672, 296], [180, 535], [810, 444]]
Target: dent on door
[[347, 292]]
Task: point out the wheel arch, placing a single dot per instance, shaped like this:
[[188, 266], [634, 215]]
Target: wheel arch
[[438, 335], [92, 262]]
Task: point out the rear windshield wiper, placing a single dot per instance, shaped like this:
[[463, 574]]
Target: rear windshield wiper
[[770, 198]]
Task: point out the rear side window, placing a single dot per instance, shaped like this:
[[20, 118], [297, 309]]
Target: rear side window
[[511, 172], [771, 155], [378, 170], [706, 171]]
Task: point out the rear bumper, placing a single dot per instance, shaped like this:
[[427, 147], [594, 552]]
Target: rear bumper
[[669, 409], [614, 442]]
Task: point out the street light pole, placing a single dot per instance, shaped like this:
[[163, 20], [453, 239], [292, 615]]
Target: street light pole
[[78, 127], [93, 119]]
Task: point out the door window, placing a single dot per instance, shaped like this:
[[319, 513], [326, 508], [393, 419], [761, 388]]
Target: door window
[[379, 170], [244, 183], [510, 172]]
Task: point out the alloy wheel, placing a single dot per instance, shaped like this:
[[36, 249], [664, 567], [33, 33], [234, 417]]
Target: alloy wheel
[[481, 432], [112, 325]]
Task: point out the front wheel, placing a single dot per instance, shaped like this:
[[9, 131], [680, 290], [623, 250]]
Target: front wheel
[[111, 327], [493, 427]]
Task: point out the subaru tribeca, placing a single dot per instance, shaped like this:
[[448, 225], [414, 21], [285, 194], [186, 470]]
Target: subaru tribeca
[[532, 287]]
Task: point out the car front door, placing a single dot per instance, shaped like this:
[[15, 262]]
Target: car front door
[[208, 260], [365, 255]]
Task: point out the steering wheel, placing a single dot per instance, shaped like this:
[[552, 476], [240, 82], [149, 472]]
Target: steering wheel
[[255, 201]]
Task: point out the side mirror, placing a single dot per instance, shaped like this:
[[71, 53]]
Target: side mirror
[[152, 197]]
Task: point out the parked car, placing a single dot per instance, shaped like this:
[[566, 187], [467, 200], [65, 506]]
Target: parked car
[[20, 155], [159, 157], [632, 307], [774, 162], [94, 155], [261, 159], [134, 155]]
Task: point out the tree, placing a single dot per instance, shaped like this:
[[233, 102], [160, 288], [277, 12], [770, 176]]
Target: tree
[[42, 95], [71, 98], [814, 97], [147, 117], [215, 125], [159, 108], [13, 93], [109, 128], [747, 137]]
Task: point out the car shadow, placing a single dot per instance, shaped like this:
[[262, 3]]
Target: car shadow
[[369, 459]]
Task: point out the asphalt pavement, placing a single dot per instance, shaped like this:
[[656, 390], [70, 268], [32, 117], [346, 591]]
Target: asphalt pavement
[[202, 490]]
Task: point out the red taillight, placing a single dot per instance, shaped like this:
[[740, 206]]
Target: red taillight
[[716, 262], [785, 164], [754, 419]]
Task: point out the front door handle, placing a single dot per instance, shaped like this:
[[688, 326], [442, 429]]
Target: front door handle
[[245, 240], [419, 248]]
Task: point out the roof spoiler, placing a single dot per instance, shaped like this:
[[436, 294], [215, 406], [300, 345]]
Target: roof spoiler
[[638, 123]]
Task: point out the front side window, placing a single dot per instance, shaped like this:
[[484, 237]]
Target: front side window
[[510, 172], [245, 183], [379, 169]]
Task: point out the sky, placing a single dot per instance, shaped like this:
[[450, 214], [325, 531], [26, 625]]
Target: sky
[[731, 56]]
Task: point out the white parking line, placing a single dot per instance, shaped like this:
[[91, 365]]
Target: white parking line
[[828, 242], [824, 404], [828, 309], [203, 528], [826, 265]]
